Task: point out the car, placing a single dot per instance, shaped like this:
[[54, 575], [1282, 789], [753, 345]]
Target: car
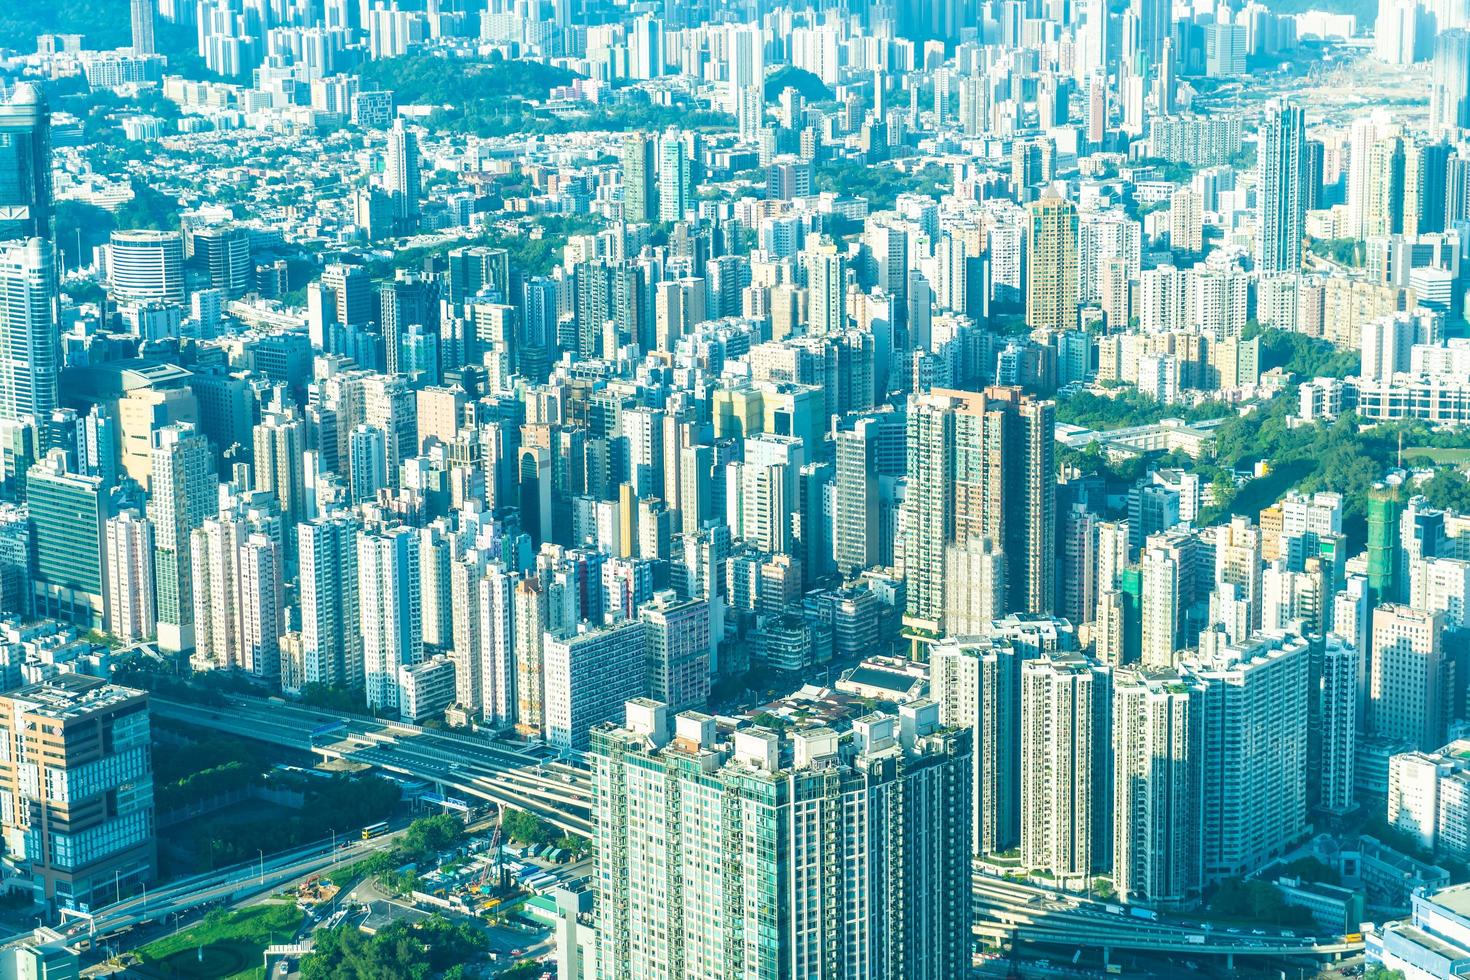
[[1258, 932], [1233, 932], [1288, 933]]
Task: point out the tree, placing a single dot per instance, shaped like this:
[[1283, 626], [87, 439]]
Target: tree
[[1447, 489], [525, 827]]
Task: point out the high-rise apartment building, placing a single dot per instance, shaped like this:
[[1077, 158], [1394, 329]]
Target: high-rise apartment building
[[976, 683], [590, 672], [1064, 712], [76, 782], [388, 598], [1157, 783], [678, 649], [1051, 263], [1411, 676], [182, 496], [1281, 176], [813, 854], [331, 641], [640, 178], [1255, 793], [129, 553], [401, 175], [142, 23], [980, 465]]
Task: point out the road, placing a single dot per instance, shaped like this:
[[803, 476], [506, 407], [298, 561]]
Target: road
[[1017, 911], [463, 766], [223, 885]]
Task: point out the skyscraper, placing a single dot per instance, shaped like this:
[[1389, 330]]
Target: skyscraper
[[388, 595], [1255, 793], [330, 612], [870, 828], [1051, 263], [129, 551], [1282, 188], [1411, 676], [1063, 745], [640, 178], [182, 496], [1158, 778], [25, 165], [673, 177], [976, 682], [980, 465], [401, 176], [30, 353], [145, 266], [1449, 82], [68, 513], [143, 27]]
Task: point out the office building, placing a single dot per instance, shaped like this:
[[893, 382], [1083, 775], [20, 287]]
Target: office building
[[401, 176], [30, 355], [25, 165], [76, 778], [68, 517], [146, 266]]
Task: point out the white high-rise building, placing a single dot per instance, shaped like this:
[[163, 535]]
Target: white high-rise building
[[401, 174], [1255, 797], [678, 649], [1062, 700], [976, 682], [392, 623], [182, 496], [1158, 786], [129, 555], [590, 673], [146, 266], [331, 638], [1410, 676], [1159, 632], [30, 348], [262, 616], [974, 586]]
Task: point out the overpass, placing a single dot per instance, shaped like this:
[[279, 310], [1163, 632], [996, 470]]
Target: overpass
[[1021, 912], [456, 765]]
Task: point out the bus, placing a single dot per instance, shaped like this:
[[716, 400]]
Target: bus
[[374, 830]]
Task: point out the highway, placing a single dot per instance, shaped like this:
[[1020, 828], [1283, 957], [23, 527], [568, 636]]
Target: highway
[[229, 884], [1021, 912], [463, 766]]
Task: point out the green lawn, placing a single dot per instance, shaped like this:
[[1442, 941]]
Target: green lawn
[[226, 946], [1445, 457]]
